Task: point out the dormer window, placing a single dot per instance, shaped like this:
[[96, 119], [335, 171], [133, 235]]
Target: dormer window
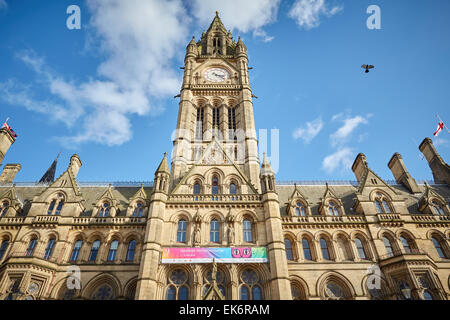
[[138, 210], [104, 210], [4, 208], [300, 210], [436, 207], [381, 204], [333, 209], [56, 205]]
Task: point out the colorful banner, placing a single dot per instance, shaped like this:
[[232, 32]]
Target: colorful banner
[[222, 255]]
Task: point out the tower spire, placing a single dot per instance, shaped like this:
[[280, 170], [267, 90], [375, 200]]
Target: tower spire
[[49, 175]]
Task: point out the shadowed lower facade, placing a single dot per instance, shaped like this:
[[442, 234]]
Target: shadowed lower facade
[[367, 239]]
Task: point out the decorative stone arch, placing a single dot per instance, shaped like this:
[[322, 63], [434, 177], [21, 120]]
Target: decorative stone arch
[[321, 233], [239, 217], [116, 235], [47, 235], [390, 236], [333, 276], [440, 237], [99, 280], [32, 233], [214, 214], [201, 101], [230, 178], [129, 290], [289, 235], [301, 285], [373, 194], [80, 235], [326, 204], [343, 245], [383, 293], [60, 288], [133, 204], [251, 216], [263, 274], [54, 195], [227, 282], [367, 244], [96, 235], [312, 244], [383, 231], [293, 205], [196, 178], [165, 272], [209, 174], [5, 235], [176, 216], [408, 235], [329, 240], [132, 235]]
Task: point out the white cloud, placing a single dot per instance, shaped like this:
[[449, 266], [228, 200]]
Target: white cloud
[[308, 132], [3, 4], [341, 158], [244, 16], [307, 13], [138, 39], [350, 124]]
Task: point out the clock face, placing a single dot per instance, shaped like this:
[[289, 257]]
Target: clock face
[[216, 75]]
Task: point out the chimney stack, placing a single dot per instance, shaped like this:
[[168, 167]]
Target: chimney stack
[[75, 164], [9, 173], [440, 169], [402, 175], [360, 166]]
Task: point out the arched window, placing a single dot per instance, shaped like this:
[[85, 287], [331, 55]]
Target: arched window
[[300, 210], [177, 286], [247, 230], [94, 250], [59, 207], [288, 246], [131, 250], [49, 248], [197, 188], [405, 244], [382, 203], [215, 185], [388, 246], [104, 292], [4, 208], [113, 250], [181, 231], [334, 291], [306, 249], [250, 286], [31, 247], [199, 124], [360, 248], [324, 249], [138, 209], [438, 247], [437, 208], [3, 248], [57, 203], [333, 209], [232, 188], [51, 207], [214, 233], [76, 250], [104, 210]]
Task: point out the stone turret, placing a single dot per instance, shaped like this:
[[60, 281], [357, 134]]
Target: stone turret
[[360, 166], [6, 140], [402, 175], [267, 176], [75, 164], [440, 169], [162, 176]]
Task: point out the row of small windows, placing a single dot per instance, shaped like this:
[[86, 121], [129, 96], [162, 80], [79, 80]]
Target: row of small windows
[[112, 252], [215, 187], [214, 230], [407, 243], [199, 127]]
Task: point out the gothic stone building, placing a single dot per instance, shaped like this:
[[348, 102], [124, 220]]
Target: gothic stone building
[[364, 240]]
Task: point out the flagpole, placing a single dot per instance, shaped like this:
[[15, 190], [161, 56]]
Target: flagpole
[[442, 123]]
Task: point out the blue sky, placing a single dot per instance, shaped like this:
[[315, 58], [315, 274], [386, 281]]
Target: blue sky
[[106, 91]]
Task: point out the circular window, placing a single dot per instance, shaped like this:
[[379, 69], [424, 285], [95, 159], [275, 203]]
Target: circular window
[[334, 291]]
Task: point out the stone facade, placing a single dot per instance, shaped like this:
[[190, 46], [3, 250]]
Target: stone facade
[[367, 239]]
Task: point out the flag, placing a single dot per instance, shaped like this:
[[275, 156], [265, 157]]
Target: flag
[[5, 125], [439, 128]]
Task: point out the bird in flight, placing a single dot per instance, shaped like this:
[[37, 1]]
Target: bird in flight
[[367, 67]]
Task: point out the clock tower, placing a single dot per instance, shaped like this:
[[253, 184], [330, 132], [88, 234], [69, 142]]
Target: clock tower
[[216, 109]]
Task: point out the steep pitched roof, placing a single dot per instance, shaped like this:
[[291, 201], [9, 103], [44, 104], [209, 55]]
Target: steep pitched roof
[[49, 175]]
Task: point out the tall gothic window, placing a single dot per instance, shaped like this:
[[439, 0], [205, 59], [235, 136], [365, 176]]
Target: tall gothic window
[[199, 124], [232, 123], [289, 251], [181, 231], [138, 210], [57, 203], [51, 207], [49, 249], [76, 250], [4, 208], [197, 188], [113, 250], [31, 247], [177, 288], [405, 244], [215, 185], [94, 250], [333, 209], [247, 230], [306, 249], [3, 248], [216, 118], [214, 230], [104, 210], [360, 248], [232, 188], [324, 248], [382, 204], [131, 250], [388, 245], [438, 247]]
